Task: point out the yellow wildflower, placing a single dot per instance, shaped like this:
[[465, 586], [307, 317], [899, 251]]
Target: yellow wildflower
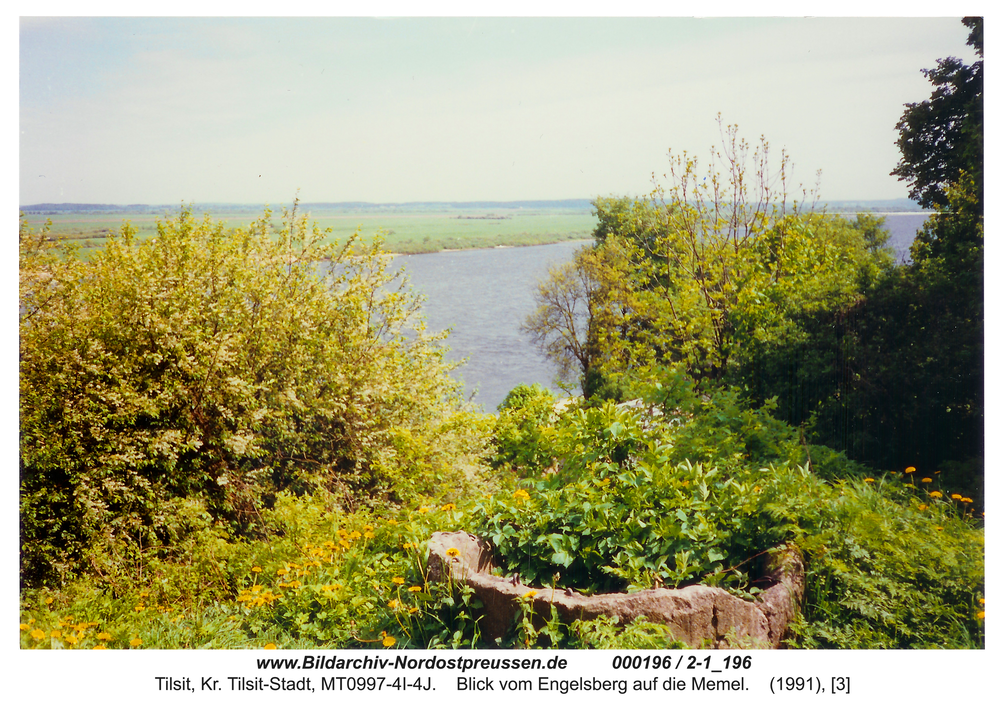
[[369, 535], [38, 634], [398, 580], [414, 589], [981, 615], [270, 645], [103, 636], [956, 496], [869, 480], [966, 500], [922, 506], [910, 469], [422, 509], [256, 569], [282, 572], [135, 642], [139, 608], [982, 601], [413, 610], [531, 594], [48, 601], [926, 479], [100, 646], [521, 494], [56, 633], [388, 641], [936, 494], [452, 552], [354, 534], [447, 506], [71, 639], [393, 604], [25, 627], [392, 522]]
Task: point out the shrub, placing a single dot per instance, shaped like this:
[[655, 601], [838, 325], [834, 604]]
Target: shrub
[[222, 366]]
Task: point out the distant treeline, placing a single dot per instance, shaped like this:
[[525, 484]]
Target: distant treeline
[[896, 205]]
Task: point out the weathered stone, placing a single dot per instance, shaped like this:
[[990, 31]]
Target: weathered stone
[[700, 616]]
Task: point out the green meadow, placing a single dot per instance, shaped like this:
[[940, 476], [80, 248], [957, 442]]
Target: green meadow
[[406, 231]]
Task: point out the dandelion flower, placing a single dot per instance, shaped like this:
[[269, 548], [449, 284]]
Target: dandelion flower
[[966, 500], [910, 469], [256, 569], [71, 639], [413, 610], [981, 615], [452, 552], [521, 494], [447, 506], [398, 580], [390, 521], [57, 634], [270, 645], [100, 646], [393, 604], [936, 494], [135, 642], [956, 496], [407, 545], [531, 594], [869, 480], [282, 572], [423, 509], [414, 589], [926, 479], [369, 535], [388, 641], [103, 636], [48, 601], [922, 506], [982, 601], [139, 608], [38, 634], [25, 627]]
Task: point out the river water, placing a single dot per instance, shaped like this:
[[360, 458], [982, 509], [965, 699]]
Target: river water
[[483, 296]]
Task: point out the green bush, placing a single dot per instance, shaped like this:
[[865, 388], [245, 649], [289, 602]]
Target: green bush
[[221, 366], [519, 434]]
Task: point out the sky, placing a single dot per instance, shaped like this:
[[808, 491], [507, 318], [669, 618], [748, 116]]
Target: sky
[[251, 110]]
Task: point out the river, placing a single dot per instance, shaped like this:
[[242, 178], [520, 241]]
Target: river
[[483, 295]]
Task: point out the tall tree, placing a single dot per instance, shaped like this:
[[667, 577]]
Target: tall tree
[[942, 136]]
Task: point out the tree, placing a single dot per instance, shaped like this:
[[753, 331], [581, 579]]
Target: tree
[[205, 369], [913, 369], [579, 304], [941, 137], [720, 274]]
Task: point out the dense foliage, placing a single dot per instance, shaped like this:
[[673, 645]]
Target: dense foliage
[[686, 489], [218, 367]]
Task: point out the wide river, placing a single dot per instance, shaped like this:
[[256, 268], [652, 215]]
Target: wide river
[[484, 295]]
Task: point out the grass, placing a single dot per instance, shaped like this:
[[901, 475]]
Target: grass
[[406, 232]]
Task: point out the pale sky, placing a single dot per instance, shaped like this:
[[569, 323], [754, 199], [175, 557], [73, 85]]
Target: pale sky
[[160, 110]]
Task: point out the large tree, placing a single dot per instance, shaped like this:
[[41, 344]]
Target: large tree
[[913, 372], [941, 137]]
